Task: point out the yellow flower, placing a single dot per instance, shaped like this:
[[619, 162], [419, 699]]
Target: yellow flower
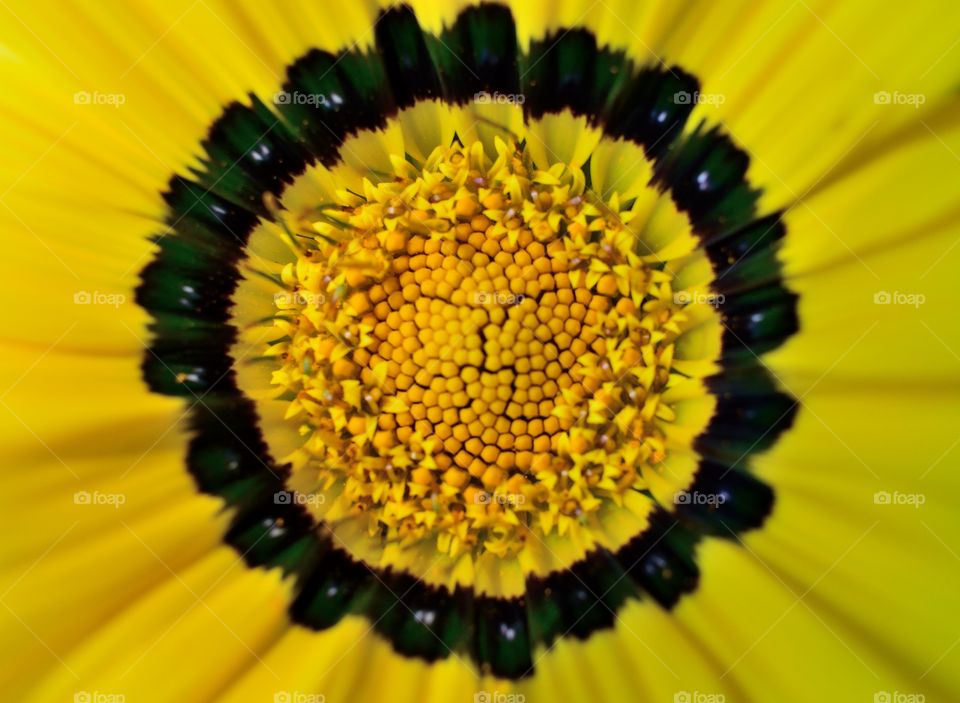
[[510, 351]]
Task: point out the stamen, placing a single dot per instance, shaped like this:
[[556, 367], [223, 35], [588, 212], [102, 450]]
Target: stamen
[[478, 352]]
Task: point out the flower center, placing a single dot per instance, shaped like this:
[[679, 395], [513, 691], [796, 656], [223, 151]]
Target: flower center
[[474, 351]]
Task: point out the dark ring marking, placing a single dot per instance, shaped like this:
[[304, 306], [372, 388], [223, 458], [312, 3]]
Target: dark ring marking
[[187, 288]]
